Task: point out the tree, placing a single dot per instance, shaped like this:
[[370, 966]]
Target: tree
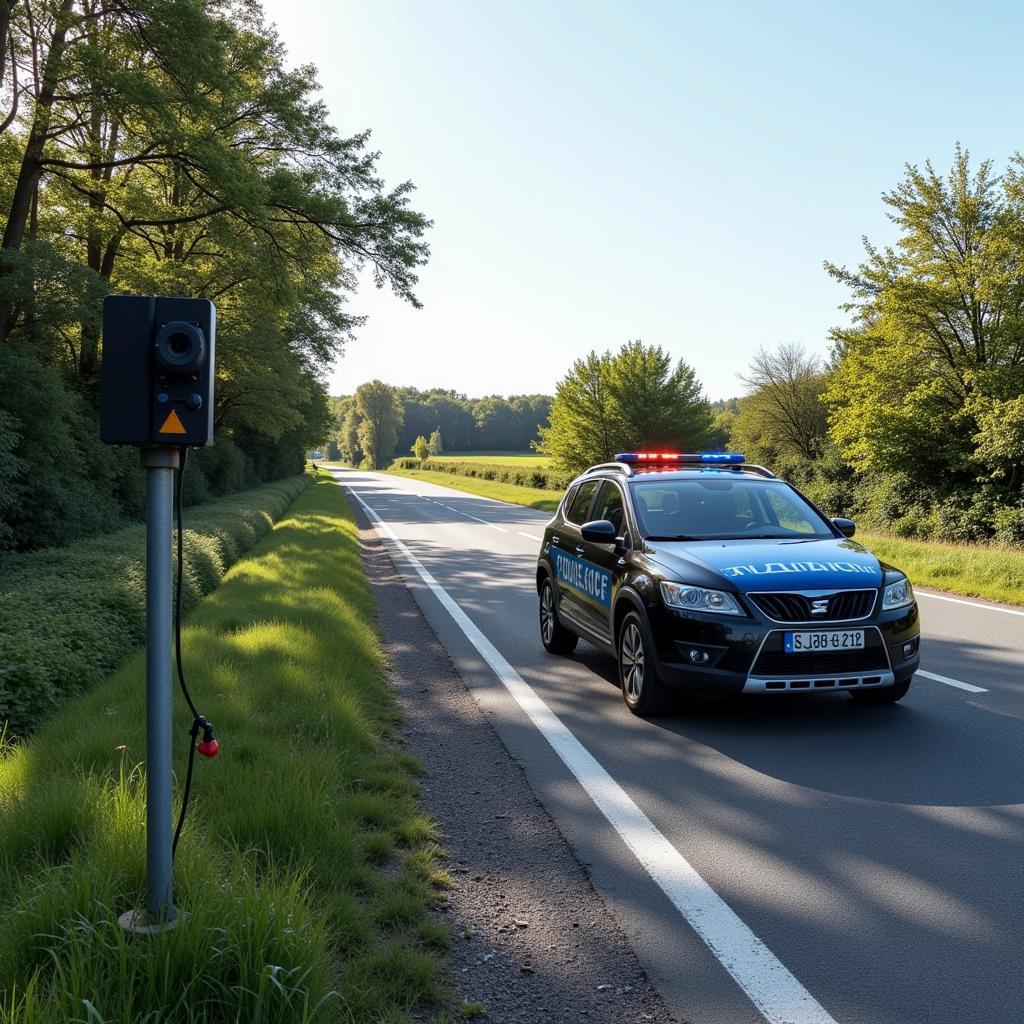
[[379, 413], [632, 399], [163, 146], [435, 444], [582, 429], [938, 324], [656, 404], [783, 419], [349, 443], [421, 449]]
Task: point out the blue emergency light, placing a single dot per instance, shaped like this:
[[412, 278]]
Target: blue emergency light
[[669, 458]]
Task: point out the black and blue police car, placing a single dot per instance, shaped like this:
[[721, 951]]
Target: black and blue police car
[[702, 573]]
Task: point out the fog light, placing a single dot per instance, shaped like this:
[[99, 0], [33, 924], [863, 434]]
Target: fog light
[[910, 648], [698, 657]]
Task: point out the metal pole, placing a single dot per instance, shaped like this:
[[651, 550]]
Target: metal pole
[[160, 464]]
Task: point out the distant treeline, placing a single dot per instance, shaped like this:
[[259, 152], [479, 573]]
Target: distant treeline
[[493, 423]]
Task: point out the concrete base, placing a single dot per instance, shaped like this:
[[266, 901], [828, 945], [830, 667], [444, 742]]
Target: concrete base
[[140, 923]]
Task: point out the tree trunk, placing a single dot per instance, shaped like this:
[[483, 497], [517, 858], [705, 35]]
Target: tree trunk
[[6, 8], [31, 169]]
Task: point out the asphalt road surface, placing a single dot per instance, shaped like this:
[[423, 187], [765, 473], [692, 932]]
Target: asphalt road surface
[[780, 859]]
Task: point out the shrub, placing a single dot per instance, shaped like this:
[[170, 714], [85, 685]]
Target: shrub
[[1009, 524], [964, 517], [70, 616]]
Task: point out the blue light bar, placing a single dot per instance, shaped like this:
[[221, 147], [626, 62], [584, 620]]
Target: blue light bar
[[668, 458], [722, 457]]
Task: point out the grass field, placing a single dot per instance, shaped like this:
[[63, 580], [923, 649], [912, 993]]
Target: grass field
[[306, 866]]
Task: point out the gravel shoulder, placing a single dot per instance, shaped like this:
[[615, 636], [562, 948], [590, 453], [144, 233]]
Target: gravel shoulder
[[532, 941]]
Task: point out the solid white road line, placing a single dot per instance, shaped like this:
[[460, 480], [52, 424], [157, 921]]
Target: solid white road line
[[776, 993], [970, 604], [969, 687], [529, 536]]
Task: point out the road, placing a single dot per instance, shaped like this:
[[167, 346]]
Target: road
[[843, 863]]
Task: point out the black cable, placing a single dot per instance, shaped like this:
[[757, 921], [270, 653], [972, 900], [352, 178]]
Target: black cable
[[198, 721]]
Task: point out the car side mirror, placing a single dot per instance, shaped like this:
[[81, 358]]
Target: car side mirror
[[600, 531], [847, 527]]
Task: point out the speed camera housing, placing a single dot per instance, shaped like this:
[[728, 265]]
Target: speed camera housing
[[158, 368]]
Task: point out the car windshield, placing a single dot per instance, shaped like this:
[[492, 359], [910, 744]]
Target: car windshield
[[719, 508]]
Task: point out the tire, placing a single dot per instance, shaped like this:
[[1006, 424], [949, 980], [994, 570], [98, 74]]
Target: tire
[[553, 635], [883, 695], [644, 693]]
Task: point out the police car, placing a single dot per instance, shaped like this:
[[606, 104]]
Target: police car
[[705, 574]]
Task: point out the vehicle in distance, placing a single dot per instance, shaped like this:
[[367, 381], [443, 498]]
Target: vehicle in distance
[[704, 574]]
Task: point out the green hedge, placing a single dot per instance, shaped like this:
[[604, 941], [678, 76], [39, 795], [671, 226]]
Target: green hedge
[[525, 476], [69, 616]]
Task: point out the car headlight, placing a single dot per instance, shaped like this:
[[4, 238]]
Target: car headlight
[[697, 599], [897, 595]]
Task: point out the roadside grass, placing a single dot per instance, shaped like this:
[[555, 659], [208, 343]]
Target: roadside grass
[[305, 867], [514, 494], [993, 573]]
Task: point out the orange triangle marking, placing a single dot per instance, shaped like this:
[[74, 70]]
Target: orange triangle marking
[[172, 425]]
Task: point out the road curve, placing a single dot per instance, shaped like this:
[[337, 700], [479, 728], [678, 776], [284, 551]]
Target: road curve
[[877, 853]]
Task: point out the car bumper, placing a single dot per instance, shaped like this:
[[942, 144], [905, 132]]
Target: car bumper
[[746, 657]]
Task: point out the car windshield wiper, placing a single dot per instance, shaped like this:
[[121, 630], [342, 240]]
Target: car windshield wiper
[[782, 536], [673, 536]]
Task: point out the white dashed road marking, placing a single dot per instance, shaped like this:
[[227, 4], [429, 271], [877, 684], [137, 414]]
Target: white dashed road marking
[[459, 512], [969, 687]]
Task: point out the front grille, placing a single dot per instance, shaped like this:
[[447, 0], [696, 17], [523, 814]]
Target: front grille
[[773, 660], [843, 605]]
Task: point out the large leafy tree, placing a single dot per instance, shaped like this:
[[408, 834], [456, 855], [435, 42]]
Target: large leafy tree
[[379, 418], [938, 324], [633, 398]]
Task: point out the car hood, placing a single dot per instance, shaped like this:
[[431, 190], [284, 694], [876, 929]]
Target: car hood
[[759, 565]]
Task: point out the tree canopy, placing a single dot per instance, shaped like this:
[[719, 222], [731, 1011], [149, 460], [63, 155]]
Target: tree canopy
[[782, 420], [631, 399], [164, 147], [938, 323]]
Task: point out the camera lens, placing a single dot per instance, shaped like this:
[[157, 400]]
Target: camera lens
[[180, 348], [178, 344]]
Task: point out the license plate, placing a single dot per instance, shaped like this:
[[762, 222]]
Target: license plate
[[824, 640]]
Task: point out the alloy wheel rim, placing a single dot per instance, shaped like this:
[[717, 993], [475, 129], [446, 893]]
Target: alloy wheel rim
[[547, 614], [632, 658]]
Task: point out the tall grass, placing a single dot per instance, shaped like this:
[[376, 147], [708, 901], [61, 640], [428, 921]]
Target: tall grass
[[305, 868]]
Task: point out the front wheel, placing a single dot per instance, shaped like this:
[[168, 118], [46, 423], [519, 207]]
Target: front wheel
[[555, 637], [642, 690], [883, 695]]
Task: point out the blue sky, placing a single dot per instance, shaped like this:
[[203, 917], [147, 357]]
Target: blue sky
[[666, 171]]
